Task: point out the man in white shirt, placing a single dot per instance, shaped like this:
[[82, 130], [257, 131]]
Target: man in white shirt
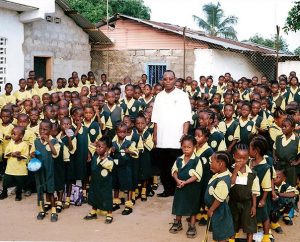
[[171, 117]]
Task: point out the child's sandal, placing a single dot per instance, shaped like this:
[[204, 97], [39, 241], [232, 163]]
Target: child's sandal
[[287, 220], [59, 208], [66, 205], [41, 215], [47, 207], [90, 216], [109, 219], [127, 211], [143, 198], [176, 227]]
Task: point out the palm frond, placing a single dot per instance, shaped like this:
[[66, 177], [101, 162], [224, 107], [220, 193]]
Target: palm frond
[[214, 13], [230, 20], [227, 32], [202, 23]]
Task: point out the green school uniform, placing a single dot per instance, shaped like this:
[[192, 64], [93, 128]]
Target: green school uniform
[[216, 140], [44, 177], [187, 199], [240, 203], [218, 188], [145, 145], [247, 128], [286, 151], [100, 192], [93, 130], [263, 172], [115, 114], [122, 172], [59, 169], [79, 158], [131, 107], [230, 131], [145, 103], [204, 154]]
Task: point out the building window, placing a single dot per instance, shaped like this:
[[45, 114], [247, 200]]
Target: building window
[[3, 45], [155, 72]]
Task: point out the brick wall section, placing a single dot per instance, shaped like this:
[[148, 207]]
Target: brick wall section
[[132, 62], [66, 42]]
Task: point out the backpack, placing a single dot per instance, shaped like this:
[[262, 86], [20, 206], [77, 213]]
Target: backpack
[[76, 195]]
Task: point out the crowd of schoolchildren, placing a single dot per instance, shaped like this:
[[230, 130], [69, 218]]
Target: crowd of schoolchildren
[[240, 162]]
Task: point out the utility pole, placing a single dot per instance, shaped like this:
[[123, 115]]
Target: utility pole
[[184, 30], [277, 49]]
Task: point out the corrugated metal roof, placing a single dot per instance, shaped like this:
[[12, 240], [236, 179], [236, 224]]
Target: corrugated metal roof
[[212, 41], [95, 34], [16, 6]]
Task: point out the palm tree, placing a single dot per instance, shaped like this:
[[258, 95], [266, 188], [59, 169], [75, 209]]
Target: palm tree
[[216, 24]]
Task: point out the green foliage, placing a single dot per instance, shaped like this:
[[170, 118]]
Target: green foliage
[[215, 23], [95, 10], [293, 19], [297, 51], [258, 39]]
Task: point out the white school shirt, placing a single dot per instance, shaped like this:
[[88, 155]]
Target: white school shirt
[[170, 112]]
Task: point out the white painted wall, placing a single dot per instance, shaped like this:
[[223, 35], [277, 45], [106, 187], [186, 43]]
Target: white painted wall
[[218, 62], [66, 43], [288, 66], [12, 29]]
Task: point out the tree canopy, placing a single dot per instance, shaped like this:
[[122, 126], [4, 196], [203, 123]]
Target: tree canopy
[[215, 23], [293, 19], [270, 42], [95, 10], [297, 51]]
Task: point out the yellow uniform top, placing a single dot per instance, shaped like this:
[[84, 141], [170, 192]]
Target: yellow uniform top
[[15, 166], [6, 131], [39, 91], [221, 191], [20, 96], [9, 98], [29, 137]]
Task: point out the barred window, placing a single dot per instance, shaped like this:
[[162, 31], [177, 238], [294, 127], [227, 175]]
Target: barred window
[[3, 51]]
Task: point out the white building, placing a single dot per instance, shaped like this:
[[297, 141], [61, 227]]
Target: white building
[[46, 36]]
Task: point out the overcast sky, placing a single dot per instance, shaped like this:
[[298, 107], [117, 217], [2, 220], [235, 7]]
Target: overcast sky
[[255, 16]]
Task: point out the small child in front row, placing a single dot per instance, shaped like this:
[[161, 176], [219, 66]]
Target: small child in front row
[[283, 203], [100, 192], [187, 172], [17, 153], [243, 193], [257, 151], [49, 149], [215, 197]]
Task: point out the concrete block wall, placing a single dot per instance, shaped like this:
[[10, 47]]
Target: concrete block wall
[[118, 64], [66, 43]]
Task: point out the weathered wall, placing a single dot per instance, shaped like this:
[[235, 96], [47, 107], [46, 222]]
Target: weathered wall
[[12, 29], [218, 62], [134, 62], [66, 43]]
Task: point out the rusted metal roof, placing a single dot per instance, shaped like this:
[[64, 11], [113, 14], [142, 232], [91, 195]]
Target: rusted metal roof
[[212, 41], [96, 35]]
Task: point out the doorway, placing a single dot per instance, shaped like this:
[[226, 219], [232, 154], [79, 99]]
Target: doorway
[[43, 67]]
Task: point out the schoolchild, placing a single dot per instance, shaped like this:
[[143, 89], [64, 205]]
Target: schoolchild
[[100, 191], [187, 172]]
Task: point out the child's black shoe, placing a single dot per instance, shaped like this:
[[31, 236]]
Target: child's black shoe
[[122, 200], [90, 216], [287, 220], [54, 217], [191, 232], [116, 207], [176, 227], [47, 207], [84, 200], [41, 215], [59, 208], [155, 186], [3, 195], [18, 197], [127, 211], [109, 219]]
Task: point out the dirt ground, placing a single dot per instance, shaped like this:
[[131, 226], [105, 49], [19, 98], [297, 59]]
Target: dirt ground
[[148, 222]]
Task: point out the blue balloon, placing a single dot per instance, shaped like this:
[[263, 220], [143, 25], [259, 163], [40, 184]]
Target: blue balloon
[[34, 164]]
